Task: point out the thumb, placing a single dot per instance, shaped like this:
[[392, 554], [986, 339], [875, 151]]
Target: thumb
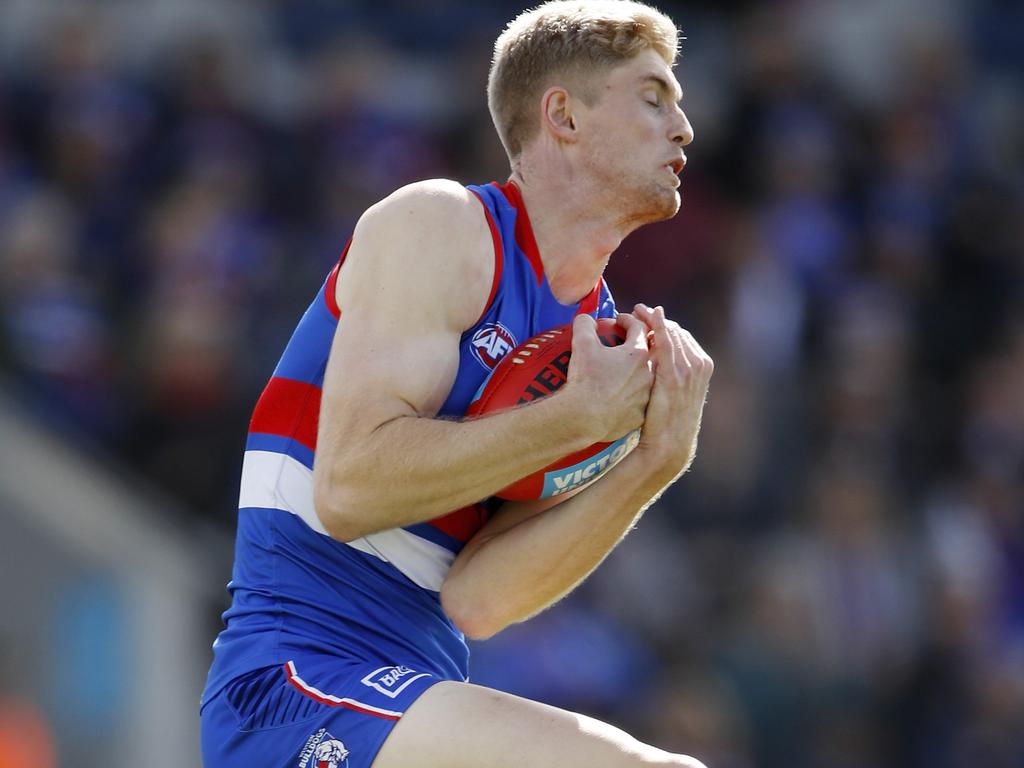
[[584, 331]]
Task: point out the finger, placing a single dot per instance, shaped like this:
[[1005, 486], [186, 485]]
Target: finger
[[695, 352], [663, 348], [660, 335], [694, 346], [642, 313], [685, 354], [636, 331], [654, 317]]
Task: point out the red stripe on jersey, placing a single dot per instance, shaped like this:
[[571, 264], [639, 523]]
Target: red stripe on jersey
[[462, 523], [524, 230], [331, 288], [499, 259], [528, 243], [288, 408], [589, 304]]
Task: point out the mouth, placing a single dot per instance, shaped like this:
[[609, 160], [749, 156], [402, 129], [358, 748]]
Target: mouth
[[677, 165], [674, 168]]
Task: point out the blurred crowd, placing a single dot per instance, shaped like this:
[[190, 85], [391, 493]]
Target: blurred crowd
[[839, 581]]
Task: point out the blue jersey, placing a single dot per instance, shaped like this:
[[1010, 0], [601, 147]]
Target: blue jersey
[[295, 590]]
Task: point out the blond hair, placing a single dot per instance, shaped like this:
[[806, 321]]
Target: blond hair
[[566, 39]]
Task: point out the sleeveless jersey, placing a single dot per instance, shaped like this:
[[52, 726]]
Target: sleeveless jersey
[[297, 590]]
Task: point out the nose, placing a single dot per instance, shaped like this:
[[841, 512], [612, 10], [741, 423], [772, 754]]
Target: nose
[[682, 131]]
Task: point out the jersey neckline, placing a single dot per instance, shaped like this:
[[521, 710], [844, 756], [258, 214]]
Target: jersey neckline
[[527, 242]]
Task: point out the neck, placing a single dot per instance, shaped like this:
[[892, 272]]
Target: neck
[[575, 231]]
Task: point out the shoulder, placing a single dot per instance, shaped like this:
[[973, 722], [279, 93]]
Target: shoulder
[[435, 205], [433, 234]]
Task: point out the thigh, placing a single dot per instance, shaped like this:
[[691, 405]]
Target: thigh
[[460, 725]]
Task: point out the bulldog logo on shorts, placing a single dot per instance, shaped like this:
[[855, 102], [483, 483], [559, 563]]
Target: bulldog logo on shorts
[[331, 754], [322, 750]]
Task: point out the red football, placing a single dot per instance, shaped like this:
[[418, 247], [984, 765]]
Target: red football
[[535, 369]]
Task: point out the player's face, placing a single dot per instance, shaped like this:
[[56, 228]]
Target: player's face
[[637, 131]]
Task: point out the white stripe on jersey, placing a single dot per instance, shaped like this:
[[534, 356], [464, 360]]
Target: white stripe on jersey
[[425, 563], [277, 481]]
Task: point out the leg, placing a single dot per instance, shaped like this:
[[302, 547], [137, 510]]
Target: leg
[[458, 725]]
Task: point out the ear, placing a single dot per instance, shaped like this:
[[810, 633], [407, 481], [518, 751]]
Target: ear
[[557, 116]]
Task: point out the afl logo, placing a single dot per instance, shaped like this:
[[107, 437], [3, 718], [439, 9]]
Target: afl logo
[[491, 343]]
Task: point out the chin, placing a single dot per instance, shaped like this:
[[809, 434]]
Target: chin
[[673, 203], [641, 202], [659, 205]]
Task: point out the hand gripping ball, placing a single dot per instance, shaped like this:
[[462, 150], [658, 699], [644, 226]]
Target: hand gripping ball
[[535, 369]]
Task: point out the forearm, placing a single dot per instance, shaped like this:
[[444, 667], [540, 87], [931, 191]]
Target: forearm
[[412, 469], [507, 578]]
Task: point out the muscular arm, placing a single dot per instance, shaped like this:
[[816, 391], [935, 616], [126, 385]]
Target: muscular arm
[[417, 275], [531, 554]]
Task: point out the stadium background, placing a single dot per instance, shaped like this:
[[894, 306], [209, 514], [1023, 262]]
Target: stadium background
[[839, 582]]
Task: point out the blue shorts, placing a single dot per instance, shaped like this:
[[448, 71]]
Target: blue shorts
[[313, 712]]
